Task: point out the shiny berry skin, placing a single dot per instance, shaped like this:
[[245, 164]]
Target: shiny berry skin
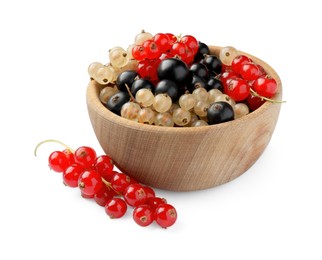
[[155, 202], [126, 78], [90, 182], [115, 102], [196, 82], [134, 195], [265, 87], [238, 62], [213, 64], [220, 112], [165, 215], [104, 166], [148, 69], [173, 69], [179, 49], [58, 161], [190, 42], [149, 192], [250, 71], [200, 70], [152, 50], [172, 38], [120, 181], [71, 175], [115, 208], [85, 156], [227, 75], [70, 155], [141, 83], [214, 83], [169, 87], [103, 195], [203, 50], [162, 40], [238, 89], [254, 102], [139, 52], [143, 215]]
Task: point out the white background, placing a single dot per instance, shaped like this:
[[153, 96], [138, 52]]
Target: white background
[[273, 211]]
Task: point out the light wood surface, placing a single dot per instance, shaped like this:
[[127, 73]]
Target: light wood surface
[[184, 159]]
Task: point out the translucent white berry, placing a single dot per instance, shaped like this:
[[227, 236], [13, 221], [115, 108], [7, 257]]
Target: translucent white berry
[[104, 75], [142, 37], [181, 117], [199, 123], [201, 108], [118, 57], [162, 103], [146, 116], [240, 109], [226, 98], [187, 101], [144, 97], [130, 110], [164, 119], [213, 94], [200, 94], [106, 93], [227, 54], [93, 67]]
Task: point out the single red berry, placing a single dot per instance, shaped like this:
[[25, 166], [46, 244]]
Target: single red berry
[[71, 175], [70, 155], [148, 69], [90, 182], [250, 71], [85, 156], [238, 89], [162, 40], [165, 215], [143, 215], [58, 161], [179, 49], [190, 42], [172, 38], [104, 166], [120, 181], [103, 195], [238, 62], [115, 208], [152, 50], [149, 192], [254, 102], [265, 87], [134, 195], [85, 196], [139, 52], [156, 202], [227, 75]]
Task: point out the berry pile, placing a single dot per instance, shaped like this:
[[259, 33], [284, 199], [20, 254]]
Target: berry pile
[[96, 178], [167, 80]]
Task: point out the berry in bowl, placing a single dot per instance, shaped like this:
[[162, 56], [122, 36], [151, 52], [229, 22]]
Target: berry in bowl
[[177, 114]]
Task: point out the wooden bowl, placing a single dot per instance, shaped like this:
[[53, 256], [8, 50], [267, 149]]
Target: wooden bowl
[[184, 158]]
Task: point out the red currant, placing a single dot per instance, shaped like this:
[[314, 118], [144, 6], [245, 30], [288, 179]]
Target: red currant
[[172, 38], [238, 62], [156, 202], [71, 175], [103, 195], [58, 161], [120, 181], [190, 42], [165, 215], [149, 192], [179, 49], [139, 52], [70, 155], [115, 208], [148, 69], [104, 166], [135, 195], [254, 102], [90, 182], [143, 215], [238, 89], [250, 71], [85, 156], [266, 87], [152, 50], [162, 41], [227, 75]]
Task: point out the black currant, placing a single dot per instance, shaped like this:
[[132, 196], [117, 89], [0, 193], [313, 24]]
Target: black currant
[[126, 78], [115, 102], [173, 69], [203, 49], [169, 87], [141, 83], [220, 112], [213, 63], [200, 70], [196, 82], [214, 83]]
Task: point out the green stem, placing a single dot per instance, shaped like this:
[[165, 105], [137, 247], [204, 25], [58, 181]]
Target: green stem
[[265, 98], [52, 141], [109, 185]]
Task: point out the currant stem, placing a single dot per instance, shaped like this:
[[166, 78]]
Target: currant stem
[[108, 184], [265, 98], [52, 141]]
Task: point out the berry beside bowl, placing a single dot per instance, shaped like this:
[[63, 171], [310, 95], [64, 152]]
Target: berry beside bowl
[[186, 158]]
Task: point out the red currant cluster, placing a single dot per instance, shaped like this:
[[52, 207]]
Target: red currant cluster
[[96, 178]]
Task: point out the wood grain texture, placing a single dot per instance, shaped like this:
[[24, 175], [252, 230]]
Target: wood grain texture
[[184, 159]]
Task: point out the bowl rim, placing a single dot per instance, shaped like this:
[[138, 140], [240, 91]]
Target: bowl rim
[[94, 101]]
